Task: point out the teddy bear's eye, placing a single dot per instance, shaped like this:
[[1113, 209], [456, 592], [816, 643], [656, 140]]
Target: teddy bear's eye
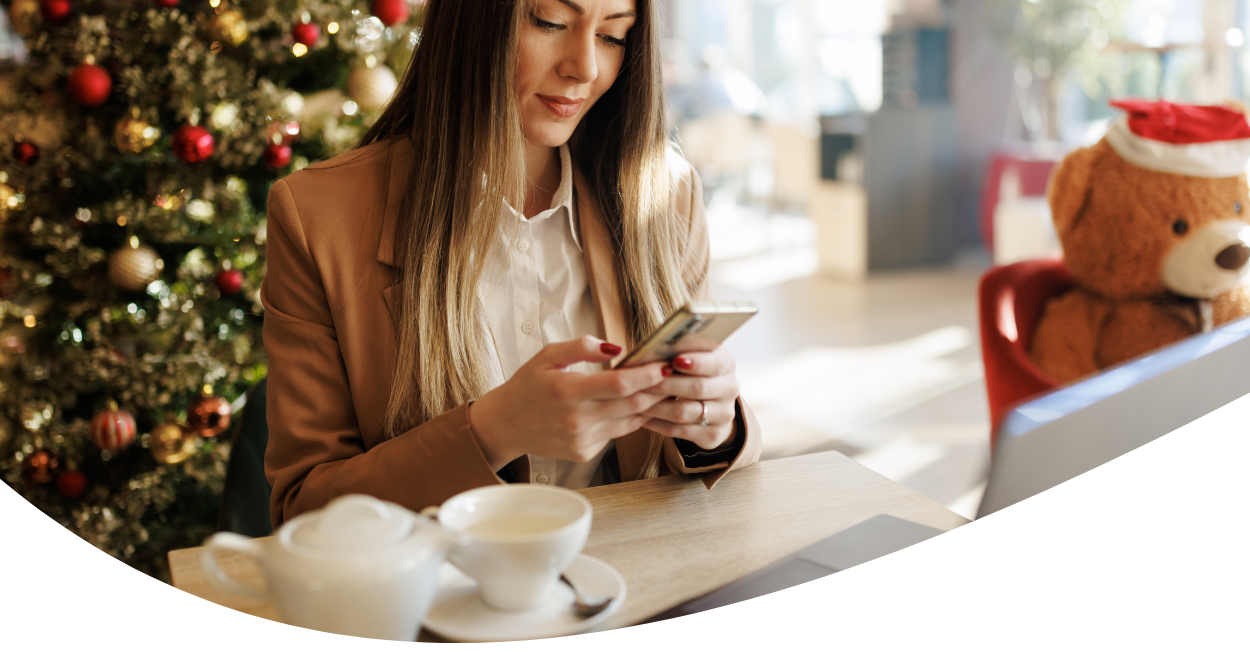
[[1237, 206], [1179, 227]]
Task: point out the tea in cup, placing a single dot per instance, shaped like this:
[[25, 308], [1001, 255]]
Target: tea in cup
[[515, 540]]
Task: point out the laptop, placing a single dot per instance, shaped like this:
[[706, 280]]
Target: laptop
[[865, 541], [1073, 429]]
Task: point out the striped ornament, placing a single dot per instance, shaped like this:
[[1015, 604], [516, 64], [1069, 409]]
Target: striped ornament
[[113, 429]]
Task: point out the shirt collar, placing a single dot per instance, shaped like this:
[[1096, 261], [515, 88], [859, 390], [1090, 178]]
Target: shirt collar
[[562, 199]]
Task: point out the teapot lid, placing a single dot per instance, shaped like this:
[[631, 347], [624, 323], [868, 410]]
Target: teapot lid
[[354, 523]]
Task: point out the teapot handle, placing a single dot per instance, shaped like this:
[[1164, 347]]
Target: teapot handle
[[218, 577]]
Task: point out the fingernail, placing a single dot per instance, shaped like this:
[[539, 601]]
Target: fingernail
[[666, 371], [609, 349], [683, 363]]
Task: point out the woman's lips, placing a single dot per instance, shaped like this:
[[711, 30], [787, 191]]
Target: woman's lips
[[561, 106]]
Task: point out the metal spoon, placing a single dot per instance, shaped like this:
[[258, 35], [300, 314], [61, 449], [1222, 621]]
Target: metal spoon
[[584, 605]]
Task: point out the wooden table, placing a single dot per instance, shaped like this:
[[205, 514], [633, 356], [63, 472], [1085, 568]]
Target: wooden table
[[674, 540]]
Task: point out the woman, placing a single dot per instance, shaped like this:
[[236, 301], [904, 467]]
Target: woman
[[424, 338]]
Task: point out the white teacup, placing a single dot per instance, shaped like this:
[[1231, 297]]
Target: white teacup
[[516, 539]]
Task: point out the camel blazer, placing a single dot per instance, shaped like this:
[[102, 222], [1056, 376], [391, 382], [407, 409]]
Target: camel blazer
[[329, 293]]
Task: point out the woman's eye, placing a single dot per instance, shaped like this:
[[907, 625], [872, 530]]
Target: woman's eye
[[613, 41], [544, 25]]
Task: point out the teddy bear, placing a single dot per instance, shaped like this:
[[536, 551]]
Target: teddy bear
[[1154, 221]]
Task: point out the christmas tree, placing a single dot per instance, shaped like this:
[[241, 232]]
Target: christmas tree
[[138, 143]]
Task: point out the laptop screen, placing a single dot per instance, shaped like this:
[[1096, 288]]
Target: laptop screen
[[1073, 429]]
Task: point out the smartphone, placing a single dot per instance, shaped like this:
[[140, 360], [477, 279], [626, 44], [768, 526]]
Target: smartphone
[[696, 326]]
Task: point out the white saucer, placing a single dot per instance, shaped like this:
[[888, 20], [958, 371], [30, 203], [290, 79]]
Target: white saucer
[[459, 614]]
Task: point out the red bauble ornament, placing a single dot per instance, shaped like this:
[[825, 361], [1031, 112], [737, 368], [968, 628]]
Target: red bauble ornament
[[90, 85], [390, 12], [277, 156], [71, 484], [167, 4], [192, 144], [229, 281], [208, 415], [39, 467], [25, 153], [306, 33], [56, 12], [113, 429]]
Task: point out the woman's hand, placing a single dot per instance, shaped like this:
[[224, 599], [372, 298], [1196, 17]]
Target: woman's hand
[[545, 410], [702, 379]]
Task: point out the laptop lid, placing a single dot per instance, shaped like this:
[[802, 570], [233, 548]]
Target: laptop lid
[[1073, 429]]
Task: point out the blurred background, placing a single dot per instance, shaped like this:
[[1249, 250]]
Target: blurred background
[[864, 163]]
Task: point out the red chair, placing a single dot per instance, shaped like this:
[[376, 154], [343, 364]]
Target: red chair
[[1011, 299]]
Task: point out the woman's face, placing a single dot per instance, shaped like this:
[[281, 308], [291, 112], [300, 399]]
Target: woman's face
[[570, 53]]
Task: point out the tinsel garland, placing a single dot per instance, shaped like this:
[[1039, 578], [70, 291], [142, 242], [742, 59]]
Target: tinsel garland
[[70, 339]]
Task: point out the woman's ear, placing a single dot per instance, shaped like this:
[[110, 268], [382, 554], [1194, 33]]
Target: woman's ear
[[1069, 187]]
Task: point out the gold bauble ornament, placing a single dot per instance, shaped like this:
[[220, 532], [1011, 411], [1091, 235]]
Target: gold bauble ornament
[[25, 17], [371, 87], [231, 27], [133, 135], [133, 266], [9, 201], [170, 443]]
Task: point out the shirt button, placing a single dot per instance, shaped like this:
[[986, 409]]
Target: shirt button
[[542, 479], [527, 328], [523, 245]]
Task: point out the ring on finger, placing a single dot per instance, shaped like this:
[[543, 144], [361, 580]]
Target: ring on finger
[[703, 414]]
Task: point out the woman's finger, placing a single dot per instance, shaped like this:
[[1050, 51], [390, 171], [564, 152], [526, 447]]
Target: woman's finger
[[716, 362], [616, 428], [705, 437], [561, 355], [698, 388], [619, 408], [616, 383], [683, 411]]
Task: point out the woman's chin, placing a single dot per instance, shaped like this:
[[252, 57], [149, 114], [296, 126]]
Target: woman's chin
[[548, 134]]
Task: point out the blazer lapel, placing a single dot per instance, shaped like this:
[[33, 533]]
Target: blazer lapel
[[605, 290], [399, 158]]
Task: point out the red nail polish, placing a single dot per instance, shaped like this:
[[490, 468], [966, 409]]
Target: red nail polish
[[610, 349], [666, 371], [683, 363]]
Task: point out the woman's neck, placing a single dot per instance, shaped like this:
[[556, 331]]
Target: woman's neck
[[542, 171]]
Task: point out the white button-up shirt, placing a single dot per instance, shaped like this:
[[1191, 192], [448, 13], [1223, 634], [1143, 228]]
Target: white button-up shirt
[[535, 292]]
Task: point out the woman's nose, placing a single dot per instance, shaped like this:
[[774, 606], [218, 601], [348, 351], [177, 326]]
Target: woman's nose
[[579, 60]]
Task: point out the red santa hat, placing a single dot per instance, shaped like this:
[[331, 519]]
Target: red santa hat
[[1196, 141]]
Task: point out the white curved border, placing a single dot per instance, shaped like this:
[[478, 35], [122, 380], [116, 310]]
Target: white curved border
[[1217, 160], [1149, 551]]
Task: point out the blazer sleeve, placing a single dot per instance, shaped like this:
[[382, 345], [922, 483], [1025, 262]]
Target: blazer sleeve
[[695, 261], [316, 451]]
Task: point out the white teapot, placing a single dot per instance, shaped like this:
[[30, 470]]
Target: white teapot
[[360, 566]]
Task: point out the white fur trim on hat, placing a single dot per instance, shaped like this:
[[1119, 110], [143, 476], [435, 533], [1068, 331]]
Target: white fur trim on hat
[[1218, 159]]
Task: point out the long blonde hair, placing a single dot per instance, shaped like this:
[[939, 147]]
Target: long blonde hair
[[456, 104]]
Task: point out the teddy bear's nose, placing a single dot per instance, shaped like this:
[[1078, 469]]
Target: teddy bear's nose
[[1233, 256]]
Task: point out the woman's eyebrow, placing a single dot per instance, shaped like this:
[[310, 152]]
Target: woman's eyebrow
[[581, 12]]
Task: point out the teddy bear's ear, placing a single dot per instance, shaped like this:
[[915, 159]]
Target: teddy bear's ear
[[1069, 188]]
